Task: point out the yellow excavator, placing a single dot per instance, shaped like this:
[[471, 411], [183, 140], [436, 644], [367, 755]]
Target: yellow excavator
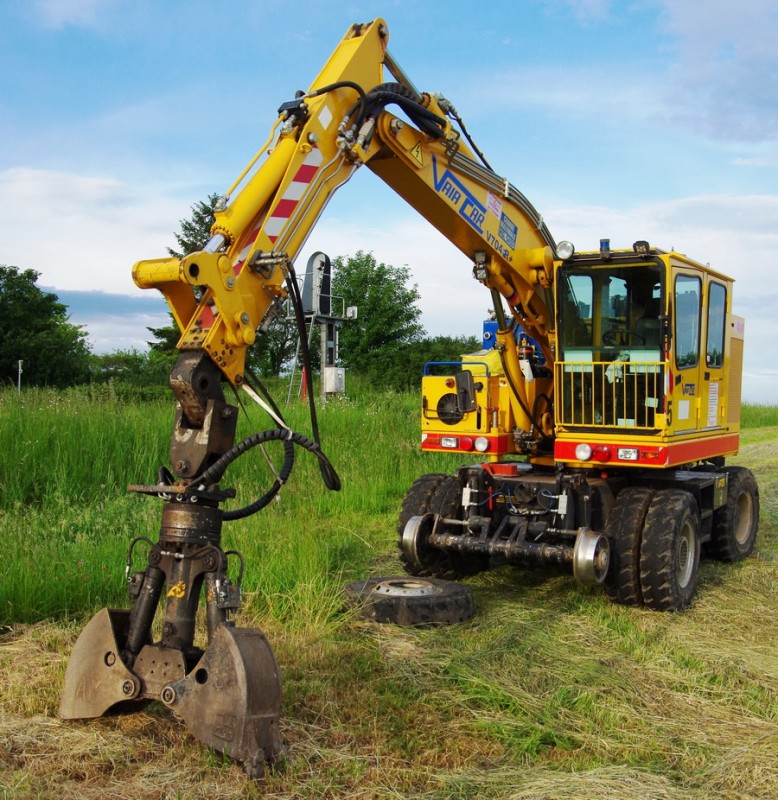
[[594, 425]]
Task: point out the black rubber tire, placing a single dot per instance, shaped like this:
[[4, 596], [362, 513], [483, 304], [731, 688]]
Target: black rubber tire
[[735, 526], [418, 499], [436, 494], [411, 602], [624, 530], [670, 551]]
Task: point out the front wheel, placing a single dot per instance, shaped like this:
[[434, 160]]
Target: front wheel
[[624, 528], [670, 551]]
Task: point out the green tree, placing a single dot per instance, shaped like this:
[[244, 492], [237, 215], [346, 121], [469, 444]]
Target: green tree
[[34, 328], [195, 231], [388, 319], [403, 372], [132, 374]]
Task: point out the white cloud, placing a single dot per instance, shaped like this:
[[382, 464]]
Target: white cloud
[[587, 90], [724, 82], [724, 29], [82, 13], [83, 232], [757, 161], [110, 333]]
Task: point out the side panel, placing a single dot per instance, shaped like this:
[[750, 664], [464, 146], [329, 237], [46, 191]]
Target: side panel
[[735, 342]]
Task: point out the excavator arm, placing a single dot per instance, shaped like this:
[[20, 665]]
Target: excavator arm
[[228, 694], [317, 143]]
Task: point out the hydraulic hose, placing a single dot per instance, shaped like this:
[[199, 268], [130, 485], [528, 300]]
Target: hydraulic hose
[[216, 471]]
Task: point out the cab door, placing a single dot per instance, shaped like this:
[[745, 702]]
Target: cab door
[[713, 386], [688, 292], [699, 397]]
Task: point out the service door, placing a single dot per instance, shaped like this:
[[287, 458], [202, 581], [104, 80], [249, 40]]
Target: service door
[[699, 397], [688, 291]]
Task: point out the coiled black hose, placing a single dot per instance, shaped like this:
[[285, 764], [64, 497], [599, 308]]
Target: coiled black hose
[[216, 471]]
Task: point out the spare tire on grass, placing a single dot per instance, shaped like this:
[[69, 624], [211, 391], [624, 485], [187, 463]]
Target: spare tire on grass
[[411, 602]]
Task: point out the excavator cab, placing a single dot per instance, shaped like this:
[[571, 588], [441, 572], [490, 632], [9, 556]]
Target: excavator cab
[[643, 340]]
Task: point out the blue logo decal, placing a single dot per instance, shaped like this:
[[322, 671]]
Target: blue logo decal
[[508, 231], [689, 389], [470, 209]]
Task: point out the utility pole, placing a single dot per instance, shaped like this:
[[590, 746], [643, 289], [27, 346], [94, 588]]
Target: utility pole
[[19, 379]]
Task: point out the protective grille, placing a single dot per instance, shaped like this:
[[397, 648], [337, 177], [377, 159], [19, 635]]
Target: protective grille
[[609, 394]]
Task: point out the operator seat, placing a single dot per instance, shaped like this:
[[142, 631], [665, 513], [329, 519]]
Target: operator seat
[[647, 327]]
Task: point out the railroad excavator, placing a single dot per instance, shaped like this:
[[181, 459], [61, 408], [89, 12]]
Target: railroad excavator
[[594, 425]]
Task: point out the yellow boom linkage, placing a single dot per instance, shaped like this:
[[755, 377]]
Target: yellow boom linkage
[[320, 140]]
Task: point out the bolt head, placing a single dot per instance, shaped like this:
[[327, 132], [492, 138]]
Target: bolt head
[[168, 696]]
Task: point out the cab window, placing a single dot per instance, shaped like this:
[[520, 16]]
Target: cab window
[[717, 309], [688, 291]]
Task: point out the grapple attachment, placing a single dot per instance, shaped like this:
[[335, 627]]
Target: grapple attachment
[[228, 693], [230, 700]]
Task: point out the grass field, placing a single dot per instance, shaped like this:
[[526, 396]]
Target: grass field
[[549, 692]]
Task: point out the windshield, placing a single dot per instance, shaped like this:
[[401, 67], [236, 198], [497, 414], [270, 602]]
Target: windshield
[[610, 312]]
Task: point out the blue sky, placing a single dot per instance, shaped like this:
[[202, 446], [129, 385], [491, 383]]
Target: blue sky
[[650, 119]]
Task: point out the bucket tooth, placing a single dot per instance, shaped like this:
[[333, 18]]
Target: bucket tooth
[[96, 677], [231, 700]]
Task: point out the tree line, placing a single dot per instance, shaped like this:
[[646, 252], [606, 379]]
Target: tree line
[[386, 344]]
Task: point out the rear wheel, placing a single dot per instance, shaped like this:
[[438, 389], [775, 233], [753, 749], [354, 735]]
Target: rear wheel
[[735, 525], [670, 551], [624, 529], [433, 494]]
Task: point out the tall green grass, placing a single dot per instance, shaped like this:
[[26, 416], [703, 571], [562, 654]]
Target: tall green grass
[[66, 459], [759, 416], [550, 691]]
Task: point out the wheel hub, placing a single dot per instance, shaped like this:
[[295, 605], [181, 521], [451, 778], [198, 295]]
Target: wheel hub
[[406, 587]]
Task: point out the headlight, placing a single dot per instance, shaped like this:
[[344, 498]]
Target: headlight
[[565, 250], [627, 454], [482, 444], [583, 452]]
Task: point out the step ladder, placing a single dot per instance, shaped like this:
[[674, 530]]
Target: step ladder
[[297, 375]]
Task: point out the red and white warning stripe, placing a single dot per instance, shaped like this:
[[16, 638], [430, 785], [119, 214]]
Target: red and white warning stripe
[[285, 207], [280, 215]]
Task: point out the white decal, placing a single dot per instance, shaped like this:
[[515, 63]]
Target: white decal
[[494, 204], [325, 117], [713, 404]]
